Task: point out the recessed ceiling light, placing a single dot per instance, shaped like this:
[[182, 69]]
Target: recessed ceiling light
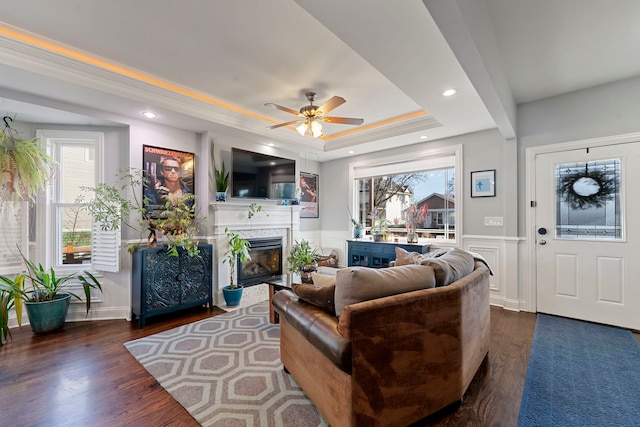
[[149, 114], [449, 92], [424, 137], [272, 163], [351, 151], [271, 144]]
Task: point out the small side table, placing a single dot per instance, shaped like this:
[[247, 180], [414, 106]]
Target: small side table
[[276, 284]]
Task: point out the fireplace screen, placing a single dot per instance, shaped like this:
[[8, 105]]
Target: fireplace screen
[[265, 262]]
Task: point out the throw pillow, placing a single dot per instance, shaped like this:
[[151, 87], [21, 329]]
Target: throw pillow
[[322, 280], [357, 284], [450, 266], [321, 297], [404, 257]]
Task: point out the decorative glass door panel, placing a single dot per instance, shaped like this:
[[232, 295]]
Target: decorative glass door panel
[[588, 200]]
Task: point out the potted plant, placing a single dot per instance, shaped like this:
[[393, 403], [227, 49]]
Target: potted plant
[[25, 167], [222, 182], [378, 226], [7, 303], [237, 247], [358, 228], [303, 259], [47, 298], [178, 222]]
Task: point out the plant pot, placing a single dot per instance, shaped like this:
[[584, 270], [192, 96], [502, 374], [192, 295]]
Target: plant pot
[[307, 269], [48, 316], [221, 196], [378, 237], [412, 238], [232, 296], [358, 233]]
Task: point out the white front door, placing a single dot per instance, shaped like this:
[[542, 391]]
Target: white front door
[[587, 225]]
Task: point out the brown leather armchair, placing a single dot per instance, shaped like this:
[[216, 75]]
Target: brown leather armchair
[[392, 360]]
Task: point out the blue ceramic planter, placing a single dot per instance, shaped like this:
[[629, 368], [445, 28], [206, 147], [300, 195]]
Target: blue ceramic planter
[[232, 296], [48, 316]]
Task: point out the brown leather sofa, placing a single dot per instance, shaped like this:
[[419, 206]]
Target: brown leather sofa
[[389, 361]]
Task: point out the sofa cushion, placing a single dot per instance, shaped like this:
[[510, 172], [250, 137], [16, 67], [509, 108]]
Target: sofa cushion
[[321, 297], [356, 284], [450, 266]]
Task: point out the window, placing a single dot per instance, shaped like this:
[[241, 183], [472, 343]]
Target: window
[[63, 225], [13, 234], [392, 185]]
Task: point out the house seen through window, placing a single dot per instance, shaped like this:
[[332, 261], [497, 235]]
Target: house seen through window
[[401, 195]]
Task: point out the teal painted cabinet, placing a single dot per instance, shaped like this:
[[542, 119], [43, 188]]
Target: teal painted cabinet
[[163, 284]]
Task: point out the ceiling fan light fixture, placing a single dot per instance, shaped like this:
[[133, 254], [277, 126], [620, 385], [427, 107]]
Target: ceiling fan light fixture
[[316, 129], [302, 129]]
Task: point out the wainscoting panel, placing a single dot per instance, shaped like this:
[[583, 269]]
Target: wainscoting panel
[[502, 254]]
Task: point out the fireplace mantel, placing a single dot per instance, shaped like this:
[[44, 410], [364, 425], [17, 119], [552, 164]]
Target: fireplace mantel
[[235, 216], [273, 220]]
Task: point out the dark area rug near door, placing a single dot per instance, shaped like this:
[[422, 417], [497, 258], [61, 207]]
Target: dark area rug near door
[[581, 374], [226, 371]]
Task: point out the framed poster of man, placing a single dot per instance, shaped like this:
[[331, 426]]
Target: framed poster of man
[[309, 195], [169, 176]]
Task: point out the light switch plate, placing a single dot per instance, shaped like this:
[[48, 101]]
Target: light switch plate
[[493, 221]]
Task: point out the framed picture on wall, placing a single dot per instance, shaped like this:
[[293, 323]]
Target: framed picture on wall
[[309, 195], [170, 175], [483, 183]]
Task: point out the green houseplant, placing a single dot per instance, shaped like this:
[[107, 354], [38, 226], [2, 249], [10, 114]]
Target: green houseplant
[[237, 247], [222, 182], [48, 296], [358, 228], [24, 166], [7, 303], [303, 259], [178, 222]]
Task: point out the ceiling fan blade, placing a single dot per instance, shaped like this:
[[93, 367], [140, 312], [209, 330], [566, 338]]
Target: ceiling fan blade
[[280, 107], [332, 103], [279, 125], [343, 120]]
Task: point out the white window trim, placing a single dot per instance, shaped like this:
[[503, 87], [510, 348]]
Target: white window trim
[[427, 155], [45, 216]]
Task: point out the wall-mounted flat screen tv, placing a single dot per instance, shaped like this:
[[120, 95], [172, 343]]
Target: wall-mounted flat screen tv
[[261, 176]]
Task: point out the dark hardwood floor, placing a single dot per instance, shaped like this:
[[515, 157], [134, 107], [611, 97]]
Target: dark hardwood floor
[[83, 376]]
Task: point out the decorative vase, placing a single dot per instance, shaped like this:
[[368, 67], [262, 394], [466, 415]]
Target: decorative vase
[[47, 316], [358, 233], [412, 237], [307, 269], [232, 296], [221, 196]]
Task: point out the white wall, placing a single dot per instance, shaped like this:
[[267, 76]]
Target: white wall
[[481, 150], [606, 110]]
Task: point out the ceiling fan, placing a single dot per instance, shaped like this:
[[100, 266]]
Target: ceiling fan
[[312, 115]]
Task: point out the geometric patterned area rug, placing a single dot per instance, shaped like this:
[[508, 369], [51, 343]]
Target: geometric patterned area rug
[[226, 371]]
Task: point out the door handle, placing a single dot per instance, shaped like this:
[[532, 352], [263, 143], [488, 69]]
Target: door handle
[[543, 242]]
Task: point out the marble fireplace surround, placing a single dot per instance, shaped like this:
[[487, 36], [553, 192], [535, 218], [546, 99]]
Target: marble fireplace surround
[[272, 221]]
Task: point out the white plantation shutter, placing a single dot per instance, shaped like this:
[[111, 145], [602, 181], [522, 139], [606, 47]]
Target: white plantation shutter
[[13, 233], [105, 245]]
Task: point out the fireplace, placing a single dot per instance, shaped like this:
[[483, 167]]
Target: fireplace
[[265, 262]]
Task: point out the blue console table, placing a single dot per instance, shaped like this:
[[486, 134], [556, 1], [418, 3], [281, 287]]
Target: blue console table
[[378, 254]]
